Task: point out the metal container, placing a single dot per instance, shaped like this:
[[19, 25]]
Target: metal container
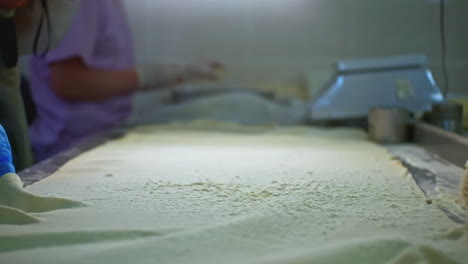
[[388, 124], [448, 116]]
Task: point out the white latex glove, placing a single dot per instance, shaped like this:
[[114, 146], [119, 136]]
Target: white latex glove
[[203, 71], [152, 76]]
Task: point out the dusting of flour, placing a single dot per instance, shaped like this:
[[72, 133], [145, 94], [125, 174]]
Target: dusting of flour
[[221, 193]]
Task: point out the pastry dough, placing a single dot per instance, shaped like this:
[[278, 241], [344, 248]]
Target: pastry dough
[[222, 193], [16, 203]]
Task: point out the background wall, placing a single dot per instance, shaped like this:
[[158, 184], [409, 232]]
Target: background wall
[[279, 41]]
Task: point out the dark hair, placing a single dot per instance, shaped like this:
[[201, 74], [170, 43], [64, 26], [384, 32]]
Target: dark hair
[[45, 18]]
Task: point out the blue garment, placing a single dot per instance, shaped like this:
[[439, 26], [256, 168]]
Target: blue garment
[[6, 159]]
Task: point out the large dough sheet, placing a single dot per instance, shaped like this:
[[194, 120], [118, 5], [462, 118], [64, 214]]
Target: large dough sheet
[[210, 193]]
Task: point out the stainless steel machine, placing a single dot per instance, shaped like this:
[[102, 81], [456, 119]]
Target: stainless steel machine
[[359, 85]]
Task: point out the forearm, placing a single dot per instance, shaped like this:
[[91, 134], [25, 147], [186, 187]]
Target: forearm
[[75, 82]]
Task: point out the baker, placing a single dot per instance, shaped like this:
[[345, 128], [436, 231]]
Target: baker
[[85, 85], [21, 18], [12, 114]]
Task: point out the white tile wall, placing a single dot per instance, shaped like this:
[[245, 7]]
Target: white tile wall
[[268, 41]]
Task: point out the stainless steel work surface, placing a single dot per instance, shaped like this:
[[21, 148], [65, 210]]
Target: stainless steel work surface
[[436, 177]]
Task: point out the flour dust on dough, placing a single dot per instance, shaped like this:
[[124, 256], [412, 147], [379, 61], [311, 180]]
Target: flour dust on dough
[[207, 192]]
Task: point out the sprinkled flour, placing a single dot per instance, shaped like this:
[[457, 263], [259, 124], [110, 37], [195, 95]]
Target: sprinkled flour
[[222, 193]]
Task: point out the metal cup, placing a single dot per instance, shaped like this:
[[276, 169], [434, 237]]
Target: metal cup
[[448, 116], [388, 124]]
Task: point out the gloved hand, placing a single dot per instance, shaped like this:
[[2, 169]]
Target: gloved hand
[[203, 71], [152, 76], [6, 159], [15, 202]]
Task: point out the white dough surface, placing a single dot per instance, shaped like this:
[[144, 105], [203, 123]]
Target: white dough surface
[[221, 193]]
